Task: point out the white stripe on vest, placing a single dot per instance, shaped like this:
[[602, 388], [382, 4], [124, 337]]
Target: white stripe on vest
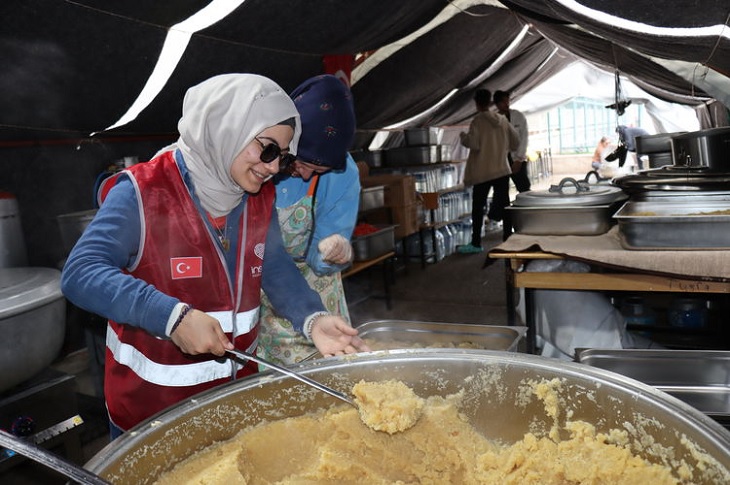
[[184, 374]]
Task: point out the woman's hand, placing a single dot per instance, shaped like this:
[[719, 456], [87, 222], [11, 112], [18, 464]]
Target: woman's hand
[[335, 249], [199, 333], [333, 336]]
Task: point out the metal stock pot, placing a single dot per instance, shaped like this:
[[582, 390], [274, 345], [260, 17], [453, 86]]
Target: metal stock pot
[[572, 207], [495, 406], [705, 148]]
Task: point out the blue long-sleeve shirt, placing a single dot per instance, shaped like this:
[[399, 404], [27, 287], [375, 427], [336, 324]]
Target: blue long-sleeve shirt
[[92, 278], [335, 210]]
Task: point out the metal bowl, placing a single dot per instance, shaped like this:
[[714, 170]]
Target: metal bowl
[[493, 382]]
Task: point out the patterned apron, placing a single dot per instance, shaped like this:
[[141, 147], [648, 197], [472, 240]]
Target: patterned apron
[[278, 341]]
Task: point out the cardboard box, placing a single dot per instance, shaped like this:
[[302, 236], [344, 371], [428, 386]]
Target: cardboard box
[[400, 190], [407, 219]]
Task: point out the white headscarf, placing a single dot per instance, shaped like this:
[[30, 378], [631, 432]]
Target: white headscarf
[[220, 117]]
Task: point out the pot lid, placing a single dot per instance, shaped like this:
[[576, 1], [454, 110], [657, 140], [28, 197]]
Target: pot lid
[[571, 192], [672, 178], [24, 289]]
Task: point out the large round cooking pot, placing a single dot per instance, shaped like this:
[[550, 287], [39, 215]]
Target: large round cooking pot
[[12, 244], [73, 225], [705, 148], [572, 207], [32, 322], [495, 403]]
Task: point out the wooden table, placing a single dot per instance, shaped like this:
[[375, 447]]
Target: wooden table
[[599, 279], [388, 273]]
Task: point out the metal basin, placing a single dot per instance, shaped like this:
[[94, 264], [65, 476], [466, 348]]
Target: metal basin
[[495, 403]]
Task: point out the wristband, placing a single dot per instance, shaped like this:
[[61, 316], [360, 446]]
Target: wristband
[[186, 309]]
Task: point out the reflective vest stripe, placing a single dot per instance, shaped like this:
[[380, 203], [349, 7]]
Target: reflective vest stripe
[[245, 321], [184, 374]]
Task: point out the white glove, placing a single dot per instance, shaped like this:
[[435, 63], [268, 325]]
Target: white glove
[[335, 249]]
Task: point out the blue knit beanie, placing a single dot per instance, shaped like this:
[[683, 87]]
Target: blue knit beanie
[[328, 121]]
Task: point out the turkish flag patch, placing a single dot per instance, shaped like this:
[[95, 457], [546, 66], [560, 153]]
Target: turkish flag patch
[[188, 267]]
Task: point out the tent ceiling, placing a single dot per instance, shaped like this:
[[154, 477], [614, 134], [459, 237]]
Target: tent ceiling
[[75, 67]]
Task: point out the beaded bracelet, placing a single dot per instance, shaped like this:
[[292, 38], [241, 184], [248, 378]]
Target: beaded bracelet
[[186, 309], [307, 330]]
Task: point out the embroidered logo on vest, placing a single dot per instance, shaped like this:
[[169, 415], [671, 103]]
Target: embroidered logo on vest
[[259, 250], [188, 267]]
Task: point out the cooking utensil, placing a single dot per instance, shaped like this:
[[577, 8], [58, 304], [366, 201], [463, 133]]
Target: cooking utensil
[[493, 382], [697, 377], [570, 192], [406, 334], [412, 155], [246, 356], [570, 208], [674, 178], [32, 322], [50, 460], [675, 224], [403, 334], [704, 148]]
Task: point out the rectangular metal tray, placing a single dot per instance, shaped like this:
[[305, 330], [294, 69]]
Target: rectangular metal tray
[[375, 244], [422, 136], [372, 197], [562, 221], [701, 378], [674, 225], [411, 155], [403, 334]]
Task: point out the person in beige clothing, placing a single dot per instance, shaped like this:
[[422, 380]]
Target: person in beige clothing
[[489, 139]]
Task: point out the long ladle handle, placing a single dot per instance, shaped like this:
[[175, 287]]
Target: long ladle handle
[[52, 461], [284, 370]]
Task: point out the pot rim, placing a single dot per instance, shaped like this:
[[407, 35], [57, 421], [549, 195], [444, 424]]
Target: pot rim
[[27, 288], [161, 423]]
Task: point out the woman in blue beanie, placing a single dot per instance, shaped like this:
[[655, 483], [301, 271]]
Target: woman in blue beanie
[[317, 200]]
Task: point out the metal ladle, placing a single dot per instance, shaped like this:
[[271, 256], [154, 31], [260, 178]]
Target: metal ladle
[[295, 375], [52, 461]]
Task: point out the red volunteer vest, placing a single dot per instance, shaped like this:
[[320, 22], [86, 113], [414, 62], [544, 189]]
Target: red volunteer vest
[[178, 255]]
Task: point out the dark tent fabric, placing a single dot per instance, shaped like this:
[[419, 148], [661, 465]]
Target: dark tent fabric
[[449, 56], [695, 14], [530, 65], [75, 67], [601, 53]]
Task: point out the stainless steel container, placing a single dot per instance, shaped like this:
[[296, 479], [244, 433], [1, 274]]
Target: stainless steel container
[[13, 252], [681, 223], [372, 197], [372, 158], [495, 404], [370, 246], [570, 208], [701, 378], [705, 148], [406, 156], [32, 322], [659, 143], [72, 226], [423, 136], [402, 334]]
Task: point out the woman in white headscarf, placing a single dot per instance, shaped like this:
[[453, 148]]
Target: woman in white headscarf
[[175, 255]]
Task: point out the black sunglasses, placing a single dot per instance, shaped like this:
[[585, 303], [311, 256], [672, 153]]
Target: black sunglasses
[[272, 151]]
